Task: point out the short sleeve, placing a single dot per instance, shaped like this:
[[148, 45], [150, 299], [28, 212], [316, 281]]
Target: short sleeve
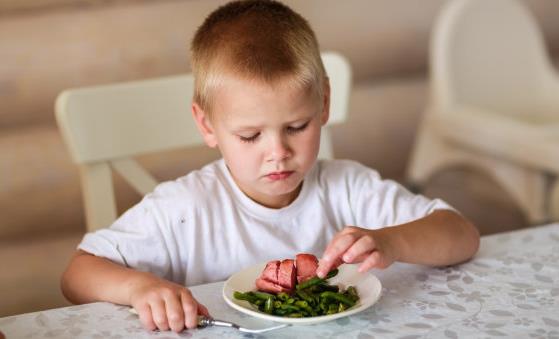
[[378, 203], [134, 240]]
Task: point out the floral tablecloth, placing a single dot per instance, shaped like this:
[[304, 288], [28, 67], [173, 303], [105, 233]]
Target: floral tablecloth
[[510, 289]]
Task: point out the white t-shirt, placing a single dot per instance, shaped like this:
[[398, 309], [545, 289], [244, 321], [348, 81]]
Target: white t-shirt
[[202, 228]]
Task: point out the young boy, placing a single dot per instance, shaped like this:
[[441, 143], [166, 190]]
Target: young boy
[[261, 97]]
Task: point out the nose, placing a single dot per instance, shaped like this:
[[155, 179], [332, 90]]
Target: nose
[[278, 149]]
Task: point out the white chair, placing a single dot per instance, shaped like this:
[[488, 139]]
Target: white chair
[[494, 103], [104, 127]]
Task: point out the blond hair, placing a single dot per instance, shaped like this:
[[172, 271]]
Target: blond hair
[[260, 40]]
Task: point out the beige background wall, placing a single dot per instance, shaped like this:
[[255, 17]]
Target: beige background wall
[[50, 48]]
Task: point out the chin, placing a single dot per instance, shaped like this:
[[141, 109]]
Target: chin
[[283, 188]]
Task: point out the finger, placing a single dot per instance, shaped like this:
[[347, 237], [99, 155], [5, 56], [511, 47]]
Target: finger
[[190, 308], [331, 244], [203, 310], [334, 253], [350, 229], [359, 258], [372, 261], [175, 313], [360, 249], [159, 314], [339, 245], [337, 262], [324, 265], [146, 318], [347, 230]]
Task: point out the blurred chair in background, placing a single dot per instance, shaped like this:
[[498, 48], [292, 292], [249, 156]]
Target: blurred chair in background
[[494, 103], [104, 127]]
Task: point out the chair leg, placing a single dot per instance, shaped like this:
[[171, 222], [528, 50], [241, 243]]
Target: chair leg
[[526, 186], [432, 153], [98, 195]]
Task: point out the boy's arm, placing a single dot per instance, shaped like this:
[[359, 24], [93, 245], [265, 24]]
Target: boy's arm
[[89, 278], [443, 237], [160, 303]]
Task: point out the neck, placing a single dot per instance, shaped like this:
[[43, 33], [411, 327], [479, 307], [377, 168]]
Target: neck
[[276, 201]]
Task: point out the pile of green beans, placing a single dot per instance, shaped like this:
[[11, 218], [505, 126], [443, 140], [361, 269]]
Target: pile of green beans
[[313, 297]]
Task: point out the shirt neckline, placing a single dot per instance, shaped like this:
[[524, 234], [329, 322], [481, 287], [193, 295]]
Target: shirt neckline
[[258, 210]]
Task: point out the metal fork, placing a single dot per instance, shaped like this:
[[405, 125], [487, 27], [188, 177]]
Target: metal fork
[[206, 322]]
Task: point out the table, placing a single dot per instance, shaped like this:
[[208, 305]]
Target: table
[[510, 289]]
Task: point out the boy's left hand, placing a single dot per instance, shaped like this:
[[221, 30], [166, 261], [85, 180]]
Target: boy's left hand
[[371, 248]]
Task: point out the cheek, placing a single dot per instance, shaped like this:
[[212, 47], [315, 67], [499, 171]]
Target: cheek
[[310, 142], [240, 157]]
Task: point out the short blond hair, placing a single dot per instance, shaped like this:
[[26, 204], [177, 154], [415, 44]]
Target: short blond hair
[[260, 40]]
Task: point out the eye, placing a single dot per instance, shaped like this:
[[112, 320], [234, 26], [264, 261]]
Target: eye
[[294, 130], [249, 139]]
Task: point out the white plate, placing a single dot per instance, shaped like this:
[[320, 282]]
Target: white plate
[[368, 287]]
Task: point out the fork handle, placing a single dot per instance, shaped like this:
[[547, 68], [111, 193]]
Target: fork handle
[[206, 322]]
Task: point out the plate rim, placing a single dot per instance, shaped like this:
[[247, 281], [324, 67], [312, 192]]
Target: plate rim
[[306, 320]]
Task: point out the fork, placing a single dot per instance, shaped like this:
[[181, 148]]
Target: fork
[[206, 322]]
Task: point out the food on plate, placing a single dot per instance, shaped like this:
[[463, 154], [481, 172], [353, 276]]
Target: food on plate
[[306, 266], [291, 288]]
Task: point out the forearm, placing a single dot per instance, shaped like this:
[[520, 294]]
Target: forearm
[[89, 278], [441, 238]]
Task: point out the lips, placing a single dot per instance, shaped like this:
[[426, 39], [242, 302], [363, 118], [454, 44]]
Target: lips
[[279, 175]]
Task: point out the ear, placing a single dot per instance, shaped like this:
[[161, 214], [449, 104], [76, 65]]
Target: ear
[[204, 125], [326, 103]]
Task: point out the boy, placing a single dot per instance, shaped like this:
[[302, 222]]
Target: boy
[[261, 97]]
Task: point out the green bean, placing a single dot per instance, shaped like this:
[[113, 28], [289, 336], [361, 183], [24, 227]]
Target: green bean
[[306, 297], [279, 311], [263, 295], [283, 296], [339, 297], [323, 306], [301, 303], [308, 283], [269, 305], [304, 306], [289, 308], [352, 290], [326, 287], [316, 280], [341, 307], [244, 296], [332, 273], [332, 308], [352, 293]]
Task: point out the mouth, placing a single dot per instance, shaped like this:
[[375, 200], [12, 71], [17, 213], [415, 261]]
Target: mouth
[[279, 175]]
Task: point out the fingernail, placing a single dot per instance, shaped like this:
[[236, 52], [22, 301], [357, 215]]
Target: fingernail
[[347, 257]]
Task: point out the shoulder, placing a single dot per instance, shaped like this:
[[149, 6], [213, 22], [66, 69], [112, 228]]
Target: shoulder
[[190, 190]]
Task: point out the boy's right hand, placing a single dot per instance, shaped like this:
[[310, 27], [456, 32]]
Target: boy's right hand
[[164, 305]]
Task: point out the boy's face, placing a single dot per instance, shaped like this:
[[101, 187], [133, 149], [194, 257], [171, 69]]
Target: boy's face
[[268, 135]]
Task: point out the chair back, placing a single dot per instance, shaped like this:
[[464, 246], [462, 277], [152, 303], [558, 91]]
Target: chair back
[[104, 127], [490, 54]]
